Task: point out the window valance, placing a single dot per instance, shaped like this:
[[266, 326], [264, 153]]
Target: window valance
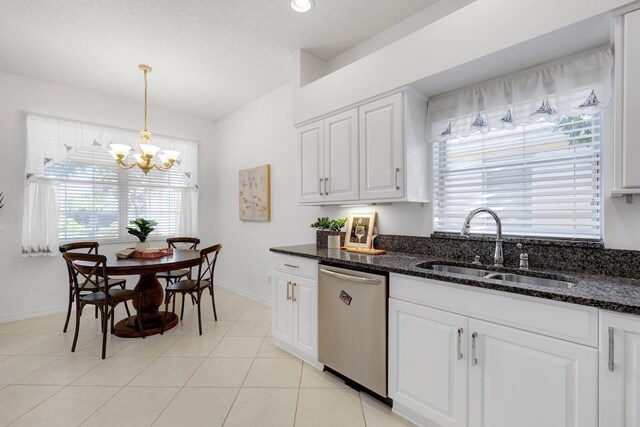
[[581, 85], [51, 140]]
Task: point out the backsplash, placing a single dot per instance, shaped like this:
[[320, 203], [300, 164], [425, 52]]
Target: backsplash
[[563, 255]]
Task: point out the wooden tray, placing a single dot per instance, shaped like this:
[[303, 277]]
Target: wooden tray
[[365, 251], [159, 254]]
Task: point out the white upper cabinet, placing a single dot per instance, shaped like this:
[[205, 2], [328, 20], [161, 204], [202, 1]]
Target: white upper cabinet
[[374, 152], [311, 163], [517, 378], [627, 104], [619, 370], [341, 156], [382, 149]]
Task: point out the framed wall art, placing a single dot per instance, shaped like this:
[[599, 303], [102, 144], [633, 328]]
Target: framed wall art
[[255, 194], [360, 229]]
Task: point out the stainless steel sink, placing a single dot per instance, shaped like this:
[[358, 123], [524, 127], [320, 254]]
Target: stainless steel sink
[[459, 270], [530, 280], [506, 277]]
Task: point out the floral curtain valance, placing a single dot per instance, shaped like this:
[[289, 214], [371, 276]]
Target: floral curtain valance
[[51, 140], [582, 85]]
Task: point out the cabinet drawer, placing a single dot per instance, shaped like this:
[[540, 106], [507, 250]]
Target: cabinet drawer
[[298, 266], [569, 322]]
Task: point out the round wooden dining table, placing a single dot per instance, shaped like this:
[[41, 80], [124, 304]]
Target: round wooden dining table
[[152, 292]]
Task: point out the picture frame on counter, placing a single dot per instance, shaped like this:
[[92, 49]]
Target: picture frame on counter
[[360, 226]]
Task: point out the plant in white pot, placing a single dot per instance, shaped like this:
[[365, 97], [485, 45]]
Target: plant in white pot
[[333, 227], [142, 228]]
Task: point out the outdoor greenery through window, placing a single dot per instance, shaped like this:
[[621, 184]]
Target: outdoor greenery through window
[[97, 199], [543, 179]]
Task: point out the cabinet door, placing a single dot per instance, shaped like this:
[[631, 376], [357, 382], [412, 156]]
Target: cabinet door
[[428, 362], [382, 149], [304, 298], [311, 163], [631, 100], [281, 312], [522, 379], [619, 370], [341, 156]]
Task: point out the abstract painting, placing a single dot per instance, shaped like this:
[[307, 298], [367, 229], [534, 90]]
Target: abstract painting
[[255, 194]]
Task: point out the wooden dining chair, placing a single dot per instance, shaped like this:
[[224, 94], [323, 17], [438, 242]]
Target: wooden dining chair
[[176, 275], [105, 298], [195, 288], [90, 248]]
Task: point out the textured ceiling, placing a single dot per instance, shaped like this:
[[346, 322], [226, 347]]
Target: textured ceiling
[[209, 56]]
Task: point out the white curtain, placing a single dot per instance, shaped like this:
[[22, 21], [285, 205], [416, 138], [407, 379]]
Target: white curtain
[[40, 219], [580, 85], [51, 140], [186, 226]]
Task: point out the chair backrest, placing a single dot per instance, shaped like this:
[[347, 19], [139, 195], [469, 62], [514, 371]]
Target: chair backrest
[[86, 247], [208, 258], [91, 247], [191, 242], [85, 278]]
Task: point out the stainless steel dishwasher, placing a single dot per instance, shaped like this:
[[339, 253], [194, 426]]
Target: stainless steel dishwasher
[[352, 325]]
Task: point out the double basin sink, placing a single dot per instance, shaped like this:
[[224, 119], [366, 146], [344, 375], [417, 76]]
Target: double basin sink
[[496, 275]]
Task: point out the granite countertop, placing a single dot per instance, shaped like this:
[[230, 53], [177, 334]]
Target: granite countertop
[[606, 292]]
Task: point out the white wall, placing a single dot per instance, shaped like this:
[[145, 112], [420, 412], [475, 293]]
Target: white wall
[[34, 286], [262, 132]]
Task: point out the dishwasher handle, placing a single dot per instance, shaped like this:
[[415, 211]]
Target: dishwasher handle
[[358, 279]]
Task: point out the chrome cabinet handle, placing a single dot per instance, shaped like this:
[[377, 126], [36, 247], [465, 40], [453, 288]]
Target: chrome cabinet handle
[[348, 277], [396, 178], [293, 292], [460, 331], [611, 349], [326, 186], [320, 186], [474, 359], [292, 266], [288, 294]]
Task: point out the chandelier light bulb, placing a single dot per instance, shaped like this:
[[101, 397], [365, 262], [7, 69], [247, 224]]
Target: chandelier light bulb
[[301, 5]]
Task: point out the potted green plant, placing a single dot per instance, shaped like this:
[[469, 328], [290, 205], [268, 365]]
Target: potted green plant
[[141, 229], [333, 226]]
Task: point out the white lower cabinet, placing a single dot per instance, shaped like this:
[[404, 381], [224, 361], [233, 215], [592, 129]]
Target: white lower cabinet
[[619, 370], [295, 314], [428, 363], [517, 378], [449, 369]]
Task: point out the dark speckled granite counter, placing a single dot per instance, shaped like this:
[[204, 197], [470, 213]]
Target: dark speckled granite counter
[[606, 292]]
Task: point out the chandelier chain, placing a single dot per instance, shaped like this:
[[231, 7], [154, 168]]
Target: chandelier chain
[[145, 100]]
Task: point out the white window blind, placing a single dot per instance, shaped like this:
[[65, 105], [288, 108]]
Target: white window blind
[[542, 178], [97, 199]]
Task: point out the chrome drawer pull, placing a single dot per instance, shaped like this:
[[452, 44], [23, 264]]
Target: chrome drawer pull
[[611, 349], [474, 358], [326, 186], [293, 292], [288, 292], [460, 331], [292, 266], [396, 178]]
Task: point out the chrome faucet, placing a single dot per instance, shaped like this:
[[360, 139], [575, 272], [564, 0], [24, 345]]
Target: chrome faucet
[[498, 258]]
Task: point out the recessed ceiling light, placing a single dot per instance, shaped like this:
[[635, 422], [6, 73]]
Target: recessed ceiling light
[[301, 5]]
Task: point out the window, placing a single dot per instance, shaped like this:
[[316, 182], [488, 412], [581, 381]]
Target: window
[[542, 178], [75, 191], [97, 199]]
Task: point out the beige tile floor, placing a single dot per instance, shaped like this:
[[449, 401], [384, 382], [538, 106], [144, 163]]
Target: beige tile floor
[[232, 375]]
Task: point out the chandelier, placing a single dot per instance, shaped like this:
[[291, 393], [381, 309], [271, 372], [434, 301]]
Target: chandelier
[[148, 150]]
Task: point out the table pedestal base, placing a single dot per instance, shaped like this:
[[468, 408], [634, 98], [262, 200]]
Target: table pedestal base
[[128, 328]]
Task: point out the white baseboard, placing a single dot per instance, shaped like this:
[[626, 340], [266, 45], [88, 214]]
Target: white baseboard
[[300, 355], [32, 313], [245, 293]]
